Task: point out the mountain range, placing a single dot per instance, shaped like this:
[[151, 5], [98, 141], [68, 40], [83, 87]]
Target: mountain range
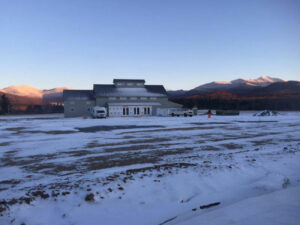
[[28, 95], [265, 89], [242, 94], [238, 86]]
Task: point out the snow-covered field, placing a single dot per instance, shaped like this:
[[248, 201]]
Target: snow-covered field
[[155, 170]]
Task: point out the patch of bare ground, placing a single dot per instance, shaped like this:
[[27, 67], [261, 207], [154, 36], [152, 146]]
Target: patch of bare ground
[[11, 181], [30, 119], [91, 163], [16, 130], [49, 132], [95, 144], [294, 125], [209, 148], [93, 129], [262, 142], [160, 167], [243, 136], [288, 140], [256, 121], [101, 162], [21, 130], [129, 148], [77, 153], [9, 159], [211, 123], [5, 143], [173, 129], [52, 168], [231, 146], [138, 147]]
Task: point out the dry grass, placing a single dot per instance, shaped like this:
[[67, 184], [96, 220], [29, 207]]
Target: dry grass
[[95, 144], [173, 129], [5, 143], [231, 146], [262, 142], [209, 148], [93, 129]]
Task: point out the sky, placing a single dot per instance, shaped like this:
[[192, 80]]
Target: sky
[[180, 44]]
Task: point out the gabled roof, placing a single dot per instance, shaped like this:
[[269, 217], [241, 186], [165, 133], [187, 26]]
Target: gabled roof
[[78, 95], [101, 90], [156, 89]]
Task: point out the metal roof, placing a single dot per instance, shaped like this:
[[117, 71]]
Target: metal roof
[[78, 95], [101, 90], [110, 90]]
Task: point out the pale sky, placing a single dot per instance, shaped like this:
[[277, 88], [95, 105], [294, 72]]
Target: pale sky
[[180, 44]]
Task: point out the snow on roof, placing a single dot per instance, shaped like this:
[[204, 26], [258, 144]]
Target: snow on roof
[[113, 91]]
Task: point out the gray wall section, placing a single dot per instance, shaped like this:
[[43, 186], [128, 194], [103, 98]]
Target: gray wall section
[[101, 101], [79, 108]]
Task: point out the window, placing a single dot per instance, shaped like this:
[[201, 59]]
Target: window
[[125, 111], [147, 111], [123, 98], [153, 98], [112, 98], [139, 84], [136, 111], [143, 98], [133, 98], [129, 84]]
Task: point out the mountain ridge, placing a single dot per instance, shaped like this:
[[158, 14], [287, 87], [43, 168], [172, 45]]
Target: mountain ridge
[[237, 85], [32, 92]]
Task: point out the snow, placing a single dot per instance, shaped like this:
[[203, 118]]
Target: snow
[[222, 82], [133, 92], [262, 81], [152, 169], [23, 90], [29, 91]]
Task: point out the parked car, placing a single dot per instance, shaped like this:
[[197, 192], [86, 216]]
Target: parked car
[[99, 112], [184, 113]]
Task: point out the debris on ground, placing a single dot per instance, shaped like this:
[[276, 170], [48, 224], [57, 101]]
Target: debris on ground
[[266, 113]]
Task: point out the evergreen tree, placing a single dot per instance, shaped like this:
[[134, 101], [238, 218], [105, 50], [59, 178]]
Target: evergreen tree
[[5, 104]]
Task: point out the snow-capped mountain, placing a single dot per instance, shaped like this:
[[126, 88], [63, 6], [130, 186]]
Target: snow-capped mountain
[[262, 81], [32, 92], [23, 90], [236, 86]]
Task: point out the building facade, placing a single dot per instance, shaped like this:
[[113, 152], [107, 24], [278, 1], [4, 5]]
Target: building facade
[[125, 97]]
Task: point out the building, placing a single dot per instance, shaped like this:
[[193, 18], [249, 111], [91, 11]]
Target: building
[[125, 97]]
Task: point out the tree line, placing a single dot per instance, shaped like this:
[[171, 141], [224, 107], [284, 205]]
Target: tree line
[[7, 107], [283, 104]]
